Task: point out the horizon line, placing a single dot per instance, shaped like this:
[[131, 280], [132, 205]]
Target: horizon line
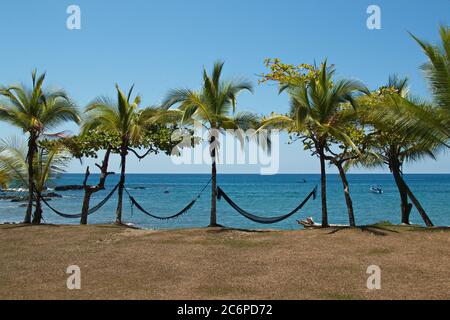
[[250, 173]]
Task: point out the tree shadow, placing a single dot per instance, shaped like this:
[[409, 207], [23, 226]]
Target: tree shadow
[[221, 229], [371, 229], [9, 226]]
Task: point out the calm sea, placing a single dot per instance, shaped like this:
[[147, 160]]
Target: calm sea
[[164, 194]]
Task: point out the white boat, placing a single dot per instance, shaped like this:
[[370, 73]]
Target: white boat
[[376, 189]]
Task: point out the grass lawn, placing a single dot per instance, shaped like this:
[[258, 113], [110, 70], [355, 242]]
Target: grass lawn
[[124, 263]]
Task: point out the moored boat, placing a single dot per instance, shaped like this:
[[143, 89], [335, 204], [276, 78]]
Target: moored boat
[[376, 189]]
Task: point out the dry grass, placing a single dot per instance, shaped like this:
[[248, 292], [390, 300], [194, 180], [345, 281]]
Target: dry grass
[[123, 263]]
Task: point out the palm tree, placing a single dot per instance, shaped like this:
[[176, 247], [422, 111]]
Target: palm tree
[[213, 106], [342, 153], [122, 118], [35, 111], [316, 116], [391, 146], [48, 165], [437, 69], [433, 125]]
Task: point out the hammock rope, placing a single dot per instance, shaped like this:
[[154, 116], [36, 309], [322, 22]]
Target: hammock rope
[[79, 215], [176, 215], [259, 219]]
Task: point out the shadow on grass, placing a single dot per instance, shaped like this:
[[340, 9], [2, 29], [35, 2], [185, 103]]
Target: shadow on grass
[[383, 229], [378, 231], [26, 225], [221, 229]]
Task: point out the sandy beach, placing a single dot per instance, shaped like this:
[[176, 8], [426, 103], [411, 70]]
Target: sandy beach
[[124, 263]]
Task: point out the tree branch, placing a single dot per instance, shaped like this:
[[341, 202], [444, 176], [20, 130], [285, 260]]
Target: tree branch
[[104, 173], [86, 177]]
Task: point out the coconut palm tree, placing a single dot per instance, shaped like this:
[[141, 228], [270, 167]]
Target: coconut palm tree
[[35, 111], [437, 69], [123, 118], [390, 145], [48, 165], [433, 125], [316, 116], [213, 106]]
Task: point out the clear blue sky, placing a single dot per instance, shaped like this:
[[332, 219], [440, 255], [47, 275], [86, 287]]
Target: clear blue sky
[[159, 45]]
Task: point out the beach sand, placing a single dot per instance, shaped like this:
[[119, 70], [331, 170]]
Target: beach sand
[[124, 263]]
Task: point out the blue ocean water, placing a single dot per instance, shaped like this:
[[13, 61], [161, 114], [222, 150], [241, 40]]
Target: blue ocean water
[[166, 194]]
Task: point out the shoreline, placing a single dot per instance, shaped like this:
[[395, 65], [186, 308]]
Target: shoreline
[[317, 226]]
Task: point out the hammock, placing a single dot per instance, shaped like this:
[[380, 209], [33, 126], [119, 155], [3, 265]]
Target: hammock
[[184, 210], [263, 220], [176, 215], [79, 215]]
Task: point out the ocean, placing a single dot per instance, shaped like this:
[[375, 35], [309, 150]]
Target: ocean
[[166, 194]]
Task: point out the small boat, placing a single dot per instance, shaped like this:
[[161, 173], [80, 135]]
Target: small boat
[[376, 189]]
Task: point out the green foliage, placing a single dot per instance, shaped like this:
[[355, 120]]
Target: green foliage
[[87, 145], [433, 123], [156, 138], [320, 107], [437, 69], [214, 105], [121, 117], [48, 163], [288, 74], [382, 112], [122, 126], [36, 110]]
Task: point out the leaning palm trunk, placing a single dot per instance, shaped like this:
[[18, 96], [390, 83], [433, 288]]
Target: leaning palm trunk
[[405, 207], [123, 156], [348, 199], [323, 189], [417, 204], [406, 192]]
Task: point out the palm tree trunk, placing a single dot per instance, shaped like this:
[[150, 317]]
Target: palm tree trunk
[[38, 212], [30, 158], [348, 199], [323, 183], [123, 156], [405, 208], [213, 217], [417, 204]]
